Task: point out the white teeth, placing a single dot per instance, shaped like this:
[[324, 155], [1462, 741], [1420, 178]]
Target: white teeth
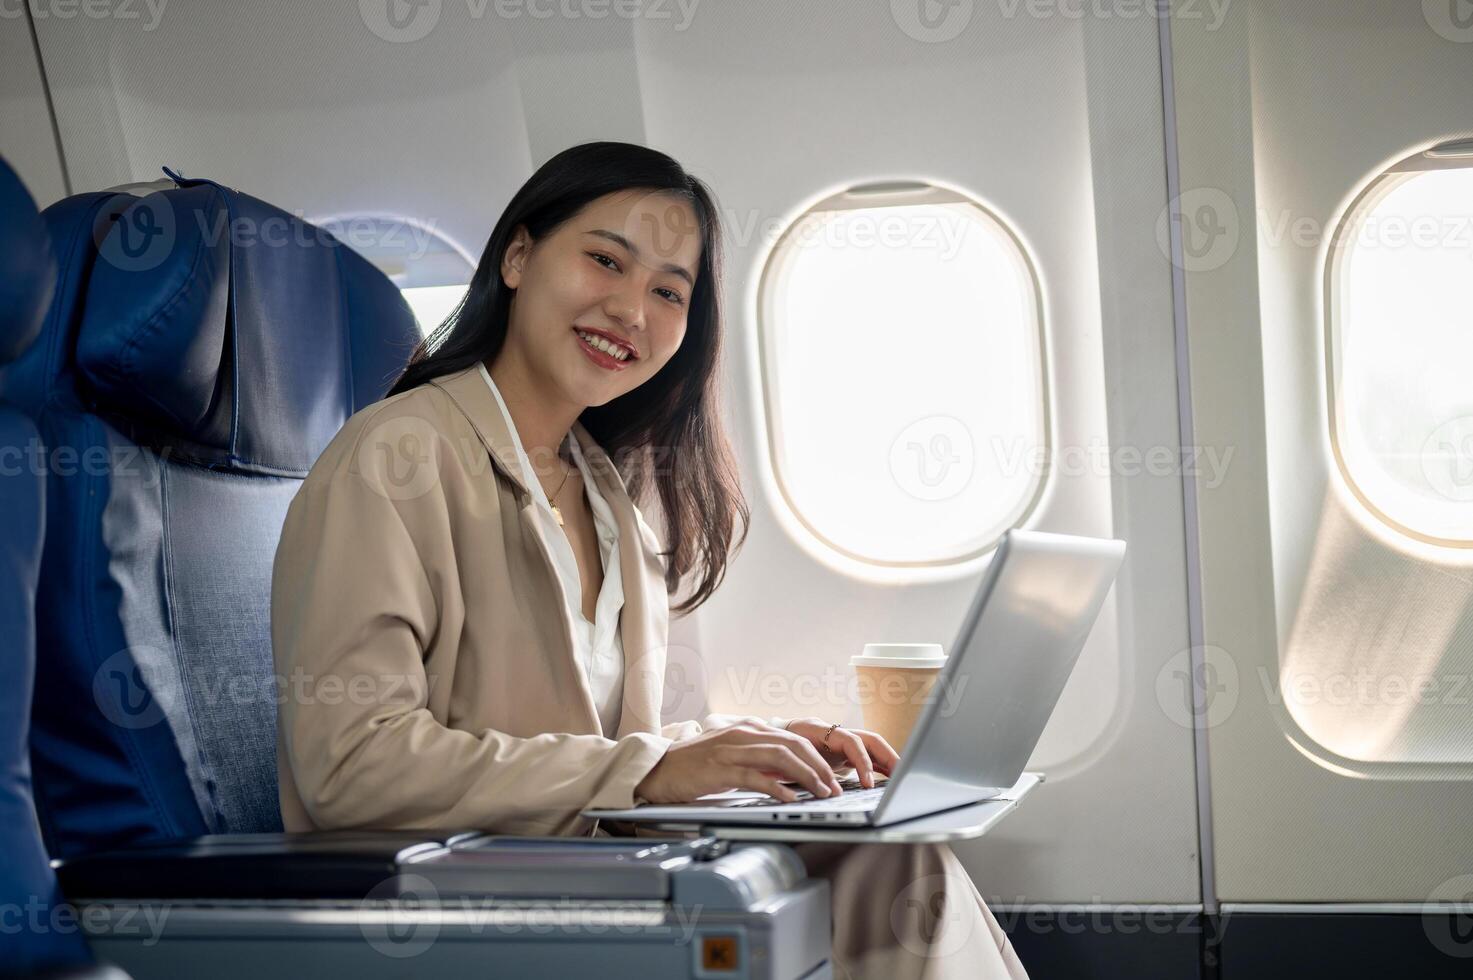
[[613, 350]]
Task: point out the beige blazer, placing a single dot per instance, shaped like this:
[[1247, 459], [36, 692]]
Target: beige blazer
[[422, 640]]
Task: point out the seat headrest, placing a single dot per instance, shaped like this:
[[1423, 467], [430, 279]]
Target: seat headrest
[[235, 334], [27, 267]]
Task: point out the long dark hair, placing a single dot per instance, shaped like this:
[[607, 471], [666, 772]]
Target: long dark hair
[[668, 430]]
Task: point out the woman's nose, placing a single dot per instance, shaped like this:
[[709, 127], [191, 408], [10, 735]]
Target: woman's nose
[[625, 309]]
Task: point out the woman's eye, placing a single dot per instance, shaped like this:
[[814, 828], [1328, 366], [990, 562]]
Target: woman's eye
[[669, 294]]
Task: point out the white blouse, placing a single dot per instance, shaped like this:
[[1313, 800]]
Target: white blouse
[[597, 645]]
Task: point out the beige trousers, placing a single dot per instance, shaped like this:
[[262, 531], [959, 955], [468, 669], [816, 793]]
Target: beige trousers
[[909, 912], [900, 911]]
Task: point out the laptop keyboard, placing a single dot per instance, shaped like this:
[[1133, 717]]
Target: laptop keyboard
[[858, 798]]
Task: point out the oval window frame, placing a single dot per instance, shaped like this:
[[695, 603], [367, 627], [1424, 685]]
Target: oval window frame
[[1454, 155], [881, 193]]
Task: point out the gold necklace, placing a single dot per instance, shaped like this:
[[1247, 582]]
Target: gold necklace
[[555, 512]]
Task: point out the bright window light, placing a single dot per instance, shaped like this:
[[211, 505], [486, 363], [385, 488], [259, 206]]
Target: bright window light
[[429, 268], [903, 367], [432, 304], [1400, 298]]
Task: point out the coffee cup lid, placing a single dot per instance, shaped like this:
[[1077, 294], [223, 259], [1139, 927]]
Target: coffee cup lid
[[916, 656]]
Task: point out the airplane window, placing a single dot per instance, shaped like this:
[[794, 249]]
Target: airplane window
[[903, 368], [432, 304], [1399, 288], [431, 271]]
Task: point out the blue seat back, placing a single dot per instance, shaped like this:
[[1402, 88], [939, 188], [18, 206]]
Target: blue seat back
[[27, 277], [203, 348]]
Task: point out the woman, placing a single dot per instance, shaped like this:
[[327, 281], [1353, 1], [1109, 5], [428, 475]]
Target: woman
[[474, 623]]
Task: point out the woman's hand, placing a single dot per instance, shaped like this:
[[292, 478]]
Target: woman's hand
[[865, 751], [744, 756]]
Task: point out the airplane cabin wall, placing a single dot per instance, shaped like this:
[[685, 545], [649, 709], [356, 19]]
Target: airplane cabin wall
[[1315, 798], [26, 138]]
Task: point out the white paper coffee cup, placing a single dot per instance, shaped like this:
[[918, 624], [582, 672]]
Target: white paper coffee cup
[[894, 685]]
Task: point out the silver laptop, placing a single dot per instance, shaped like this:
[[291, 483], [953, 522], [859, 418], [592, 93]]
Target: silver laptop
[[1017, 646]]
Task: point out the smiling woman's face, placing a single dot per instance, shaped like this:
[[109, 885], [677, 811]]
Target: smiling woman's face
[[623, 267]]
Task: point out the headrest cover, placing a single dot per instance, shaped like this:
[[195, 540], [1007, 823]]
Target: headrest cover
[[27, 267], [234, 333]]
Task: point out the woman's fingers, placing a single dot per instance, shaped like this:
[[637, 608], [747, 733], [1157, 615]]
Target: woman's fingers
[[782, 759], [809, 753], [754, 779], [880, 751], [798, 745], [853, 747], [866, 751]]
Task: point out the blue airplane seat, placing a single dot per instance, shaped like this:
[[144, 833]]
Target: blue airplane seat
[[202, 349], [41, 939]]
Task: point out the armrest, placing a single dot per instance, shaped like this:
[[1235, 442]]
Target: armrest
[[322, 865], [350, 865]]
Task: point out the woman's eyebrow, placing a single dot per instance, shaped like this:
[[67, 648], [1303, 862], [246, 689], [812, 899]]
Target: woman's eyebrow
[[614, 236]]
